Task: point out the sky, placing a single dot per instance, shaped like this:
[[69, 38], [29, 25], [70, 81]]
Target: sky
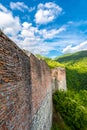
[[49, 27]]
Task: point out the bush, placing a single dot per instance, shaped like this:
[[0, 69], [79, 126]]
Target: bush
[[71, 108], [55, 127]]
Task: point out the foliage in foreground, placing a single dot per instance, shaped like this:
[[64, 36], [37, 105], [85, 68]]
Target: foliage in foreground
[[55, 127], [72, 107]]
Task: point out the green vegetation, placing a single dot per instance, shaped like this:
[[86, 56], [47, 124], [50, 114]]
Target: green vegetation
[[73, 108], [72, 58], [51, 63], [76, 70], [55, 127], [71, 105]]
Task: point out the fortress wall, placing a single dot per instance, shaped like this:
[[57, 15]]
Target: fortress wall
[[59, 79], [41, 94], [25, 89]]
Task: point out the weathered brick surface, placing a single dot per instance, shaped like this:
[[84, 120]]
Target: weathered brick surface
[[43, 118], [41, 79], [25, 89], [59, 79], [41, 95]]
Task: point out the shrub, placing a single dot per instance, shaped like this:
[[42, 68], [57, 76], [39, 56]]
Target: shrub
[[72, 111]]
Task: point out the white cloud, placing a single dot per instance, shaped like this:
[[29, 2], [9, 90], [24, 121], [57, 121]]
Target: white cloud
[[31, 9], [32, 38], [2, 8], [8, 23], [47, 12], [77, 23], [26, 25], [39, 49], [29, 31], [50, 34], [25, 34], [20, 6], [80, 47], [37, 36]]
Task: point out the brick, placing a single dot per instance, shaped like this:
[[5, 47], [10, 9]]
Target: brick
[[25, 89]]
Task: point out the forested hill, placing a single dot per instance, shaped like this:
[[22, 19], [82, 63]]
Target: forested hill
[[72, 105], [76, 67], [72, 58]]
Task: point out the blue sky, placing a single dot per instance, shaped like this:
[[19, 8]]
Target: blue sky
[[47, 27]]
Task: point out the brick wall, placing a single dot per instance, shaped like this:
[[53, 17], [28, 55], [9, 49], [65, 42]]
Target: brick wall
[[25, 89], [41, 94]]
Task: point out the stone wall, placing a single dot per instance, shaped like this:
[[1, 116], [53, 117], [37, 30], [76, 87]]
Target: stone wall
[[25, 89], [59, 79]]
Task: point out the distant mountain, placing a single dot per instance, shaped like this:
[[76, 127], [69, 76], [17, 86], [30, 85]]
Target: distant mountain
[[72, 58]]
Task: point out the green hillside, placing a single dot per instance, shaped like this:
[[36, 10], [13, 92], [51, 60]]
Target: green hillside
[[72, 105], [72, 58], [76, 69]]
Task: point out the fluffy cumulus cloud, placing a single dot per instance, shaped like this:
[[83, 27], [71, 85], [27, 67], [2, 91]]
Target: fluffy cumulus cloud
[[34, 38], [47, 12], [80, 47], [26, 35], [50, 34], [20, 6], [40, 48], [9, 23]]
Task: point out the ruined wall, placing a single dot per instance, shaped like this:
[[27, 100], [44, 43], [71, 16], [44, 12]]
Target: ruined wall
[[25, 89], [59, 79], [41, 94]]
